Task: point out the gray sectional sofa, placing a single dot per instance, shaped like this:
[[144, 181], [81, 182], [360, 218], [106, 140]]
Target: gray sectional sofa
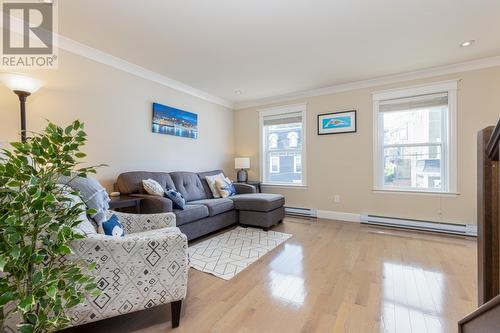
[[203, 213]]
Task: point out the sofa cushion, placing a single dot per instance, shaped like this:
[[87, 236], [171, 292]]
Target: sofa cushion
[[152, 187], [225, 187], [211, 183], [204, 182], [215, 206], [131, 182], [177, 198], [189, 184], [190, 213], [259, 202]]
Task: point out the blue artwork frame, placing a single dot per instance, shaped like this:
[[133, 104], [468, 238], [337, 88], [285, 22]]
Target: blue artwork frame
[[337, 122], [172, 121]]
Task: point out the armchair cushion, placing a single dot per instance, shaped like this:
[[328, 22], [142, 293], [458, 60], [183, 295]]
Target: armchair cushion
[[133, 272]]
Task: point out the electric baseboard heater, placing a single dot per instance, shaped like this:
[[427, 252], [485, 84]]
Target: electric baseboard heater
[[301, 212], [440, 227]]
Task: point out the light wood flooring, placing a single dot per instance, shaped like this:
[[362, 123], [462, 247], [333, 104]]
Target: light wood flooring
[[329, 277]]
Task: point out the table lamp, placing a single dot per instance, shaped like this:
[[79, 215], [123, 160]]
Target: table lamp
[[242, 163]]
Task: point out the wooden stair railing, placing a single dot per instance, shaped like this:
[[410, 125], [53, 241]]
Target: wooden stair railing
[[487, 317], [488, 217]]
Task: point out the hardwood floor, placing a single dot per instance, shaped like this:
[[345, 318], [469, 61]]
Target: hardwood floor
[[329, 277]]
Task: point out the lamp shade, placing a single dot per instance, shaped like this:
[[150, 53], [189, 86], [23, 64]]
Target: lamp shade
[[18, 82], [242, 163]]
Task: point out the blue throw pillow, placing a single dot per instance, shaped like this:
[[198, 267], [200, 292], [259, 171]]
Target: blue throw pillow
[[230, 187], [113, 227], [176, 197]]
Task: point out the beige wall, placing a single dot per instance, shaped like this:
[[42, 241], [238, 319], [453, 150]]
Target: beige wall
[[342, 164], [116, 109]]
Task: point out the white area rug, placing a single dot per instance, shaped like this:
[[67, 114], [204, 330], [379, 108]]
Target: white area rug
[[228, 254]]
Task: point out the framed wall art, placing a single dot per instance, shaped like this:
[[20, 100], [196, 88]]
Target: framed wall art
[[337, 122]]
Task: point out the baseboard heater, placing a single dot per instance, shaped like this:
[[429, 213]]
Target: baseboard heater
[[301, 212], [441, 227]]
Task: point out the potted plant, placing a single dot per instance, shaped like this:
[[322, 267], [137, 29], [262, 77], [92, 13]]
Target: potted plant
[[37, 285]]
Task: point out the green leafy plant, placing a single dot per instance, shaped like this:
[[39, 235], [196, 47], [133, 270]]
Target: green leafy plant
[[37, 286]]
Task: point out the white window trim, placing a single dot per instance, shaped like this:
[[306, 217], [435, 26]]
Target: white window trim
[[302, 107], [451, 88], [276, 158]]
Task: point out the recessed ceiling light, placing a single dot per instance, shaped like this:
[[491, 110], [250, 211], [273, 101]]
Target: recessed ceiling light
[[467, 43], [238, 92]]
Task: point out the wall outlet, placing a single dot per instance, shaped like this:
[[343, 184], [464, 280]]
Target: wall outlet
[[336, 198]]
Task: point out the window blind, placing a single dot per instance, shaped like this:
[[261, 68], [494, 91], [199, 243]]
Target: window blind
[[414, 102], [283, 119]]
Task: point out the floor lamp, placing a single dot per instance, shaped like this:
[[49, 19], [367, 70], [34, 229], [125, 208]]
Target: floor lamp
[[22, 86]]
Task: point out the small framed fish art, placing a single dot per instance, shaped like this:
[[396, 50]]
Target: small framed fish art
[[337, 122]]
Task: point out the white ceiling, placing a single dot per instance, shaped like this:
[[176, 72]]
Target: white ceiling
[[274, 47]]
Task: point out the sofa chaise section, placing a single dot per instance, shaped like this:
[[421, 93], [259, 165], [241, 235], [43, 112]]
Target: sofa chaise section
[[260, 210]]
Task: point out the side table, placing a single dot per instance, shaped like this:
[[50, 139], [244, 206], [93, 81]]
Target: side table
[[124, 201]]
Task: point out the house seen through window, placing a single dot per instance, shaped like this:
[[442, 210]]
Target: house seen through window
[[414, 147], [282, 148]]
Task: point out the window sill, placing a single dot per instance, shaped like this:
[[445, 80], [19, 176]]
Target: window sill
[[283, 185], [414, 192]]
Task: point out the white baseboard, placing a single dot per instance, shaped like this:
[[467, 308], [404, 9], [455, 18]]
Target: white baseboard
[[341, 216]]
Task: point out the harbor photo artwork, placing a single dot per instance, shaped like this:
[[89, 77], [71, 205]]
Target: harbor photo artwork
[[172, 121]]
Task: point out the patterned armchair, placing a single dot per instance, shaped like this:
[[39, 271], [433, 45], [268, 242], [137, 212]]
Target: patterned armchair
[[145, 268]]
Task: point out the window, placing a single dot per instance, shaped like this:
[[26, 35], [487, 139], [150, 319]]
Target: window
[[274, 165], [283, 145], [273, 140], [293, 139], [414, 144], [297, 164]]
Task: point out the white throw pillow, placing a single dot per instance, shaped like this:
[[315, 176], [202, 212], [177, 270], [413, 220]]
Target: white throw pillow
[[153, 187], [85, 227], [225, 187], [211, 183]]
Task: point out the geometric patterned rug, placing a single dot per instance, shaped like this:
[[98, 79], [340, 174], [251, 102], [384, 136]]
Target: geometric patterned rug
[[228, 254]]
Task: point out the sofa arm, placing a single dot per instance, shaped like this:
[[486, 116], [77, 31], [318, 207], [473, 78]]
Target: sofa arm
[[152, 204], [133, 272], [244, 188], [134, 223]]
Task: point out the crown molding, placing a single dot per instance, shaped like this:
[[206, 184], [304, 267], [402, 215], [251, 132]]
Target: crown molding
[[104, 58], [380, 81]]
